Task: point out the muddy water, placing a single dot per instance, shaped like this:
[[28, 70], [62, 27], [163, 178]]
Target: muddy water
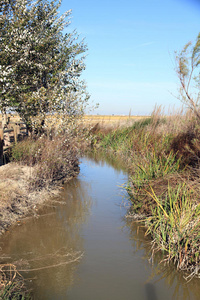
[[81, 247]]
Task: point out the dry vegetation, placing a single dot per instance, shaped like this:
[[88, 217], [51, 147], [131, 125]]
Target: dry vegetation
[[111, 121], [37, 169], [162, 154]]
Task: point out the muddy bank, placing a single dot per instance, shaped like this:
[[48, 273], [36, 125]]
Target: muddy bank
[[19, 198]]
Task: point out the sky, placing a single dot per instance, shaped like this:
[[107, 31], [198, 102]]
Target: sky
[[130, 63]]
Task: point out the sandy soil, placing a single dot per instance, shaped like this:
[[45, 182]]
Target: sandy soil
[[17, 199]]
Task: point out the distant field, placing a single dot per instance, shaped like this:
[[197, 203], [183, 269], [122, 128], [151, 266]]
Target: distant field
[[112, 120], [102, 120]]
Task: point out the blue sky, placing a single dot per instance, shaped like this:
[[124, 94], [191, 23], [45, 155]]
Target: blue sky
[[131, 44]]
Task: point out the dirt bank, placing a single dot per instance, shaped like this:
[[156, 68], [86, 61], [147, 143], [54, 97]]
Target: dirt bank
[[17, 198]]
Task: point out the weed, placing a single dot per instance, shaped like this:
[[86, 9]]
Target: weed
[[12, 285], [152, 166]]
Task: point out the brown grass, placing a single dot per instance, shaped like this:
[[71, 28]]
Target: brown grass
[[16, 198], [163, 155], [112, 121], [39, 167]]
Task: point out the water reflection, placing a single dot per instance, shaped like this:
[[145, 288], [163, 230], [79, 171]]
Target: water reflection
[[52, 240], [115, 264], [181, 289], [103, 158]]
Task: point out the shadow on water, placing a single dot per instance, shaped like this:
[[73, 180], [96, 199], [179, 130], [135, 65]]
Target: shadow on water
[[150, 292], [160, 271]]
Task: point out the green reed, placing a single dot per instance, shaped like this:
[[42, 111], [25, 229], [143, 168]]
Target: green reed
[[174, 224]]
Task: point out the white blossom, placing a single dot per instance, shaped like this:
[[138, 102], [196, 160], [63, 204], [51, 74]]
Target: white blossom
[[40, 67]]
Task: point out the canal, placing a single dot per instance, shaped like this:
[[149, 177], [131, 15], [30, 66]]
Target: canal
[[81, 246]]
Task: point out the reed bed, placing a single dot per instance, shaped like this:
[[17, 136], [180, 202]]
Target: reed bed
[[162, 154]]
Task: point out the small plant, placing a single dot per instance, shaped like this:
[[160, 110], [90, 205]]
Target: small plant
[[12, 286]]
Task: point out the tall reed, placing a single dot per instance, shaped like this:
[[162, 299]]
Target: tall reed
[[174, 225], [162, 154]]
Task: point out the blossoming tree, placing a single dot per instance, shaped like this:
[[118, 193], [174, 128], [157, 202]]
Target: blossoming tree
[[40, 65]]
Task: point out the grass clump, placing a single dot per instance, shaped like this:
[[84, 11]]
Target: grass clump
[[152, 166], [174, 224], [12, 286]]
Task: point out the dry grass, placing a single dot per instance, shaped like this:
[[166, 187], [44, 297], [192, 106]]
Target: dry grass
[[12, 285], [111, 121], [17, 200], [39, 167]]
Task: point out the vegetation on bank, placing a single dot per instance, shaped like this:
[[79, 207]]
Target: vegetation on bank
[[12, 285], [162, 155], [41, 63], [53, 160], [38, 167], [40, 79]]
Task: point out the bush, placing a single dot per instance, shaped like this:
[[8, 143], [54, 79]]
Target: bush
[[53, 160]]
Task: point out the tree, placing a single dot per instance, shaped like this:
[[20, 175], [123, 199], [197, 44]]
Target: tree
[[40, 66], [187, 68]]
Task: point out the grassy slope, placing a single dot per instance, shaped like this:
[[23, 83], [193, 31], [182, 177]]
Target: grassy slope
[[163, 160]]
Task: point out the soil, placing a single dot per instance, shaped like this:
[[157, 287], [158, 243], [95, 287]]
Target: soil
[[17, 198]]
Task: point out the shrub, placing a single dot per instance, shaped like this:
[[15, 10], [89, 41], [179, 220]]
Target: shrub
[[53, 160]]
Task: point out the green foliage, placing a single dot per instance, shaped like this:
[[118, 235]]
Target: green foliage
[[152, 166], [175, 226], [14, 291], [123, 139], [141, 124], [40, 66]]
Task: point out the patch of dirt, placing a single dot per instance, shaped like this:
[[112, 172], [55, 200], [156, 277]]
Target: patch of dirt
[[17, 199]]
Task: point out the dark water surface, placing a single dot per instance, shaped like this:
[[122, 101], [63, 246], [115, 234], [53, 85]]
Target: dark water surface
[[85, 249]]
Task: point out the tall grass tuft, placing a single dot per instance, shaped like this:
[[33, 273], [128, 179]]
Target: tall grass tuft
[[174, 225], [151, 166]]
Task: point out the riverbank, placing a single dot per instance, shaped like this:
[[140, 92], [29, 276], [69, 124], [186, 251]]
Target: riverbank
[[35, 175], [162, 156], [37, 170], [17, 198]]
